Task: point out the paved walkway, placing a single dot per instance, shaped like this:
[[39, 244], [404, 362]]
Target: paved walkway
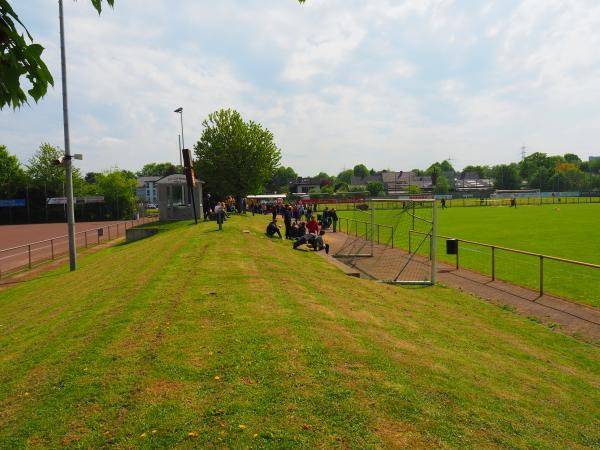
[[571, 317]]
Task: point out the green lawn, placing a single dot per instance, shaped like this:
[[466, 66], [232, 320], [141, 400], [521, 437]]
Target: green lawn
[[567, 231], [195, 339]]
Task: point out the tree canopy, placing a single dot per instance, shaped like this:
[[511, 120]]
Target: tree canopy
[[360, 170], [159, 170], [235, 157]]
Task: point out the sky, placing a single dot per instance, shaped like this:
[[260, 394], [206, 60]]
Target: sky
[[393, 84]]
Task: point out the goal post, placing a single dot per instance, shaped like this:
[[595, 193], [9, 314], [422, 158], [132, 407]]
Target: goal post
[[401, 245], [521, 196]]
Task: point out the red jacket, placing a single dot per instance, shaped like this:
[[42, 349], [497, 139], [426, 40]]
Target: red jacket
[[312, 226]]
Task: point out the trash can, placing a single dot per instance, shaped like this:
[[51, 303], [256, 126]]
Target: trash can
[[451, 246]]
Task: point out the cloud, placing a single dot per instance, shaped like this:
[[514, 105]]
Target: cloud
[[389, 83]]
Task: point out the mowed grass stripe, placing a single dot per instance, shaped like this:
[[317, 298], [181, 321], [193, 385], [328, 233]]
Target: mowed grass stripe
[[304, 356]]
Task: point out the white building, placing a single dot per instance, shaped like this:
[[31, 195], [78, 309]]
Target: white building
[[146, 189]]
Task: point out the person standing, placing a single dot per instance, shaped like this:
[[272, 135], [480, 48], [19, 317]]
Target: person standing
[[334, 218], [244, 205], [220, 213], [287, 221]]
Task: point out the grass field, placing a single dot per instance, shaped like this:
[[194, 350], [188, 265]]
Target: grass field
[[195, 338], [566, 231]]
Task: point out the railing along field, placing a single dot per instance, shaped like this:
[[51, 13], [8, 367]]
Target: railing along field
[[27, 255]]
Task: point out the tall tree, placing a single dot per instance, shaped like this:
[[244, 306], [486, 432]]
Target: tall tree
[[345, 176], [360, 170], [12, 177], [233, 156], [159, 170], [441, 186], [506, 176], [281, 178], [118, 189]]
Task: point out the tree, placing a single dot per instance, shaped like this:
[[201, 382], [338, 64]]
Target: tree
[[360, 170], [48, 177], [442, 186], [413, 189], [159, 170], [235, 157], [572, 158], [506, 176], [482, 171], [375, 188], [281, 178], [12, 177], [118, 189], [345, 176], [439, 168]]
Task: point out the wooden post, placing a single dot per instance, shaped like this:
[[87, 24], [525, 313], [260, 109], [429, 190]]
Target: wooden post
[[493, 264]]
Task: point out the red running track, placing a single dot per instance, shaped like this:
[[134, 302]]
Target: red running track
[[41, 242]]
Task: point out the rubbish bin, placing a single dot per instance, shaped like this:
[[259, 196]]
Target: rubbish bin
[[451, 246]]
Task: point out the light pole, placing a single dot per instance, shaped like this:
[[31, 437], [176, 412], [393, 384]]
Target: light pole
[[180, 112], [67, 160]]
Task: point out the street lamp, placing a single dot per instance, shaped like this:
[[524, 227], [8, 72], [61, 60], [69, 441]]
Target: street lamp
[[67, 158], [180, 112]]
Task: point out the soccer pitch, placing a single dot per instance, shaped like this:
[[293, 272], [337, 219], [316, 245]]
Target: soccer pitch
[[566, 231]]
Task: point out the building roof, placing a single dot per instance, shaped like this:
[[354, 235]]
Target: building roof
[[177, 178], [141, 181], [359, 181]]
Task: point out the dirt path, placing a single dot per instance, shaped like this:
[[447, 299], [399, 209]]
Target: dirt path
[[572, 318]]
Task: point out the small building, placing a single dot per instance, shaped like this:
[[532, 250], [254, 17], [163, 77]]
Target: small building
[[174, 200], [303, 185], [146, 189]]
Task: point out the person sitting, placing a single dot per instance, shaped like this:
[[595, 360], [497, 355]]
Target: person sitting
[[294, 231], [273, 229], [316, 242], [301, 229], [312, 226]]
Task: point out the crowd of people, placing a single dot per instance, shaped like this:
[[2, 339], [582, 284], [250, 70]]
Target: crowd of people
[[302, 226]]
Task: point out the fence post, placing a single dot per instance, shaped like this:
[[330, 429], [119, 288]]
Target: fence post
[[378, 233], [85, 235], [457, 246], [392, 237], [493, 264], [366, 231], [409, 241], [52, 247], [117, 229], [541, 275], [29, 247]]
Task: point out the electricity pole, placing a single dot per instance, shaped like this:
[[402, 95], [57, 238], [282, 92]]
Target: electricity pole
[[67, 161]]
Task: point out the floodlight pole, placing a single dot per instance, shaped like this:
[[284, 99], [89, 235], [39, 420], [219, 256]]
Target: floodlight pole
[[67, 161]]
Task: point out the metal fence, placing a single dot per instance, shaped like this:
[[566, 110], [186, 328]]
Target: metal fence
[[26, 256], [541, 258], [361, 228]]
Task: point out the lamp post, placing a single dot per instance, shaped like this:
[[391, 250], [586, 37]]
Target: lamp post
[[180, 112], [67, 160]]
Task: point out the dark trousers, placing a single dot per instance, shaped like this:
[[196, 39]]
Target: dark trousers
[[288, 227]]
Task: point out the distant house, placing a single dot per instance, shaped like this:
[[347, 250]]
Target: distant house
[[146, 189], [470, 181], [303, 185], [396, 183]]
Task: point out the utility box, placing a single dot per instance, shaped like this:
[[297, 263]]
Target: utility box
[[451, 246]]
